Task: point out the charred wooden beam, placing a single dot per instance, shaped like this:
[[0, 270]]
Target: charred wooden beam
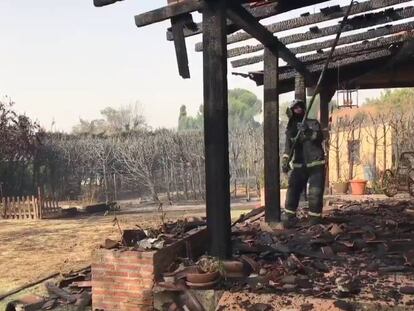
[[216, 135], [355, 23], [370, 34], [180, 49], [366, 35], [177, 24], [347, 73], [399, 75], [319, 17], [370, 74], [341, 62], [364, 46], [246, 21], [259, 12], [300, 88], [271, 137], [287, 76], [167, 12], [101, 3]]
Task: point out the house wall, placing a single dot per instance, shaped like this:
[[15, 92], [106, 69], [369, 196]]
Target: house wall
[[339, 149]]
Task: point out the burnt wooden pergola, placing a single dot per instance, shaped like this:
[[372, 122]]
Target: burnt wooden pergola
[[375, 58]]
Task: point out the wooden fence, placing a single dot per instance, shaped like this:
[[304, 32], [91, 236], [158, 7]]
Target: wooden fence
[[29, 207]]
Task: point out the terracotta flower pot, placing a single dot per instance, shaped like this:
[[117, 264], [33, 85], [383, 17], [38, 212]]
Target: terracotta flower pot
[[340, 187], [358, 186], [201, 278], [233, 266], [233, 269]]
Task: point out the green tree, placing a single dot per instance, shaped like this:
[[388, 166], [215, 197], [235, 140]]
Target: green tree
[[399, 99], [244, 106], [186, 122]]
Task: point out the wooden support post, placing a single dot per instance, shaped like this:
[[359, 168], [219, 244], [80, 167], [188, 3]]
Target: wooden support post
[[271, 138], [326, 95], [300, 88], [216, 129]]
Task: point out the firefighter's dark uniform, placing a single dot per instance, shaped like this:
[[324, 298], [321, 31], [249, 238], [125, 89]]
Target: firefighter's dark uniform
[[308, 165]]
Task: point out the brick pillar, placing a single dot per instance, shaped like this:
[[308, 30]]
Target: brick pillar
[[122, 280]]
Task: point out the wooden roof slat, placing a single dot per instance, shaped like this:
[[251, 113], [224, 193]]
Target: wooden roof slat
[[358, 22], [260, 12], [288, 76], [366, 35], [167, 12], [241, 17], [101, 3], [319, 17], [364, 57], [355, 23], [353, 74], [365, 46]]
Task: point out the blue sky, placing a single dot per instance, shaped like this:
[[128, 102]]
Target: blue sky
[[62, 60]]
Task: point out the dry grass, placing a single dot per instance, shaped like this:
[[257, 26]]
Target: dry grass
[[32, 250]]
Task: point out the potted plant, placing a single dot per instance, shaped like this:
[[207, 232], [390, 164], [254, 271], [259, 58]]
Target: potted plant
[[340, 186], [207, 275]]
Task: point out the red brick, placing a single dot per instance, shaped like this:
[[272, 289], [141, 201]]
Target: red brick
[[135, 254], [131, 307], [146, 261], [107, 306], [117, 293], [136, 287], [117, 280], [135, 275], [115, 299], [146, 273], [129, 267], [116, 273], [124, 260], [103, 266], [147, 282], [149, 268], [120, 286]]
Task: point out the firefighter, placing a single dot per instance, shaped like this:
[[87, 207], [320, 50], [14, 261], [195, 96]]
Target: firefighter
[[307, 164]]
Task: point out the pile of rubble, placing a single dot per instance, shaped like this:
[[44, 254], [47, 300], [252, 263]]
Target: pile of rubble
[[154, 238], [72, 289], [362, 250]]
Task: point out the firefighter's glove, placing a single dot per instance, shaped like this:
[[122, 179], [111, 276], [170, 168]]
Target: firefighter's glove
[[285, 164]]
